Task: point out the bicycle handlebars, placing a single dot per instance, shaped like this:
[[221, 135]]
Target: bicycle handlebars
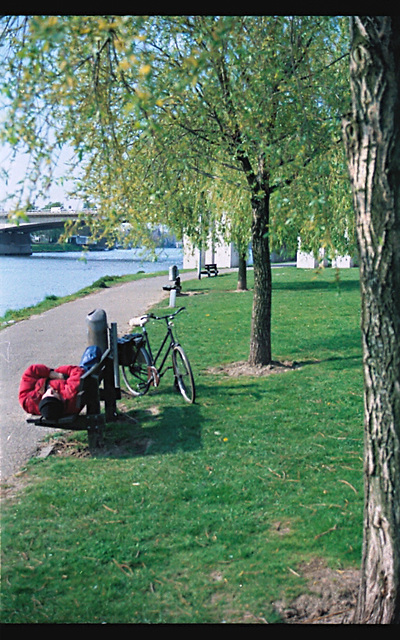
[[141, 320]]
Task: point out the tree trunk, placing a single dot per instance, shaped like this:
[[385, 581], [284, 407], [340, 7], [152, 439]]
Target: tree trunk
[[260, 339], [242, 272], [372, 140]]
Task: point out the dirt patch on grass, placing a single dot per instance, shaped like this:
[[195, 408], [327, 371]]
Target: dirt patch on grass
[[65, 447], [14, 485], [331, 598], [243, 368]]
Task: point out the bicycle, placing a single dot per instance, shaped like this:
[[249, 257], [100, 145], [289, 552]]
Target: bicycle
[[141, 370]]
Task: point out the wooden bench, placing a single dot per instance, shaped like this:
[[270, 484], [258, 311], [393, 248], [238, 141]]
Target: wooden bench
[[176, 284], [210, 270], [96, 385]]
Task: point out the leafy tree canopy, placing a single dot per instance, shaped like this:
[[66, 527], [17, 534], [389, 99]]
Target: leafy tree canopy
[[170, 117]]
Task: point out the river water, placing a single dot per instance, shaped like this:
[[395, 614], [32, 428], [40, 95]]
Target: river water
[[27, 280]]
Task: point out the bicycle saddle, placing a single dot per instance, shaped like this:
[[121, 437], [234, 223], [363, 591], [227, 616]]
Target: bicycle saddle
[[139, 321]]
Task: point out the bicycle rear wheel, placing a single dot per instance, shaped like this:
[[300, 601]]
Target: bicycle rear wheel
[[183, 374], [136, 375]]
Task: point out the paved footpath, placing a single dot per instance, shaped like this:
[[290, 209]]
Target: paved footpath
[[55, 337]]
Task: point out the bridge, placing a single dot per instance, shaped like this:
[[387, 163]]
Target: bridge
[[15, 239]]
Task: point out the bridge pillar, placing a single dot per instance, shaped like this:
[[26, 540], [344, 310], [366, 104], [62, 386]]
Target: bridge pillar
[[15, 242]]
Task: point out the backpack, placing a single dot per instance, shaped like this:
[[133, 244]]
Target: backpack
[[90, 357]]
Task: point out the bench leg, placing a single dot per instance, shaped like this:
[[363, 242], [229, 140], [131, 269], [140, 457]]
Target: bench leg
[[95, 420], [95, 424], [110, 393]]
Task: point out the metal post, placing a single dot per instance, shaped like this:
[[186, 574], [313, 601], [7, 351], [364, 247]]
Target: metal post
[[96, 322], [114, 353], [172, 297]]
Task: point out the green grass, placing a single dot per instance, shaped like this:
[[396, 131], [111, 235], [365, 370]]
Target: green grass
[[205, 513]]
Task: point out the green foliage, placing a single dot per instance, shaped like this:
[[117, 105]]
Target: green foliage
[[194, 122], [318, 209], [205, 513], [175, 117]]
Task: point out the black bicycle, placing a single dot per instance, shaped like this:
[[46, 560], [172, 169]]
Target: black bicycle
[[141, 370]]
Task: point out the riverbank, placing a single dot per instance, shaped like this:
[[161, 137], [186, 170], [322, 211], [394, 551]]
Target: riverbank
[[27, 280], [15, 315]]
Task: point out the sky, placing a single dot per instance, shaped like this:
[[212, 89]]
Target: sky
[[17, 172]]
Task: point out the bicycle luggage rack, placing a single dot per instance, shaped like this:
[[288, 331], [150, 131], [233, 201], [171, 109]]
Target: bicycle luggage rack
[[91, 393]]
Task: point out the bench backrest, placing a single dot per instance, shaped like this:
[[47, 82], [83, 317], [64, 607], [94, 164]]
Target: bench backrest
[[91, 379]]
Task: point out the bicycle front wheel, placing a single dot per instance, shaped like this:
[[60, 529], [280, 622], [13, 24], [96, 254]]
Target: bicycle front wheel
[[136, 375], [183, 374]]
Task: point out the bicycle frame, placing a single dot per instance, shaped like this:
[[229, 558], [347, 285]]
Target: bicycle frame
[[168, 336], [150, 368]]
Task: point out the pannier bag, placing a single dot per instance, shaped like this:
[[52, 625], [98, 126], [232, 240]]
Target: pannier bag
[[128, 347]]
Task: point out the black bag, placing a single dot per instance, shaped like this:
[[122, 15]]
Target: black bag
[[128, 347]]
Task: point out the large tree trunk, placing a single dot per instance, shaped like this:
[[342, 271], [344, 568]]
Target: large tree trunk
[[260, 339], [372, 139]]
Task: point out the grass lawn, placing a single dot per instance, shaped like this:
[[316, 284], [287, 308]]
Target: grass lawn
[[205, 513]]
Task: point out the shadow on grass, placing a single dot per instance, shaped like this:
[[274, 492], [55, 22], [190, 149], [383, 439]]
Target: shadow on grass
[[334, 343], [318, 284], [153, 431], [167, 429]]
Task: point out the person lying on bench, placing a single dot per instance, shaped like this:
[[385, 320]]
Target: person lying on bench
[[52, 393]]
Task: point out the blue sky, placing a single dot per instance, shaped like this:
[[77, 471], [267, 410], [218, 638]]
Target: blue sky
[[17, 169]]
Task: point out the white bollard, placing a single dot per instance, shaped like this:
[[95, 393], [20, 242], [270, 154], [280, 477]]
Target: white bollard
[[172, 297]]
